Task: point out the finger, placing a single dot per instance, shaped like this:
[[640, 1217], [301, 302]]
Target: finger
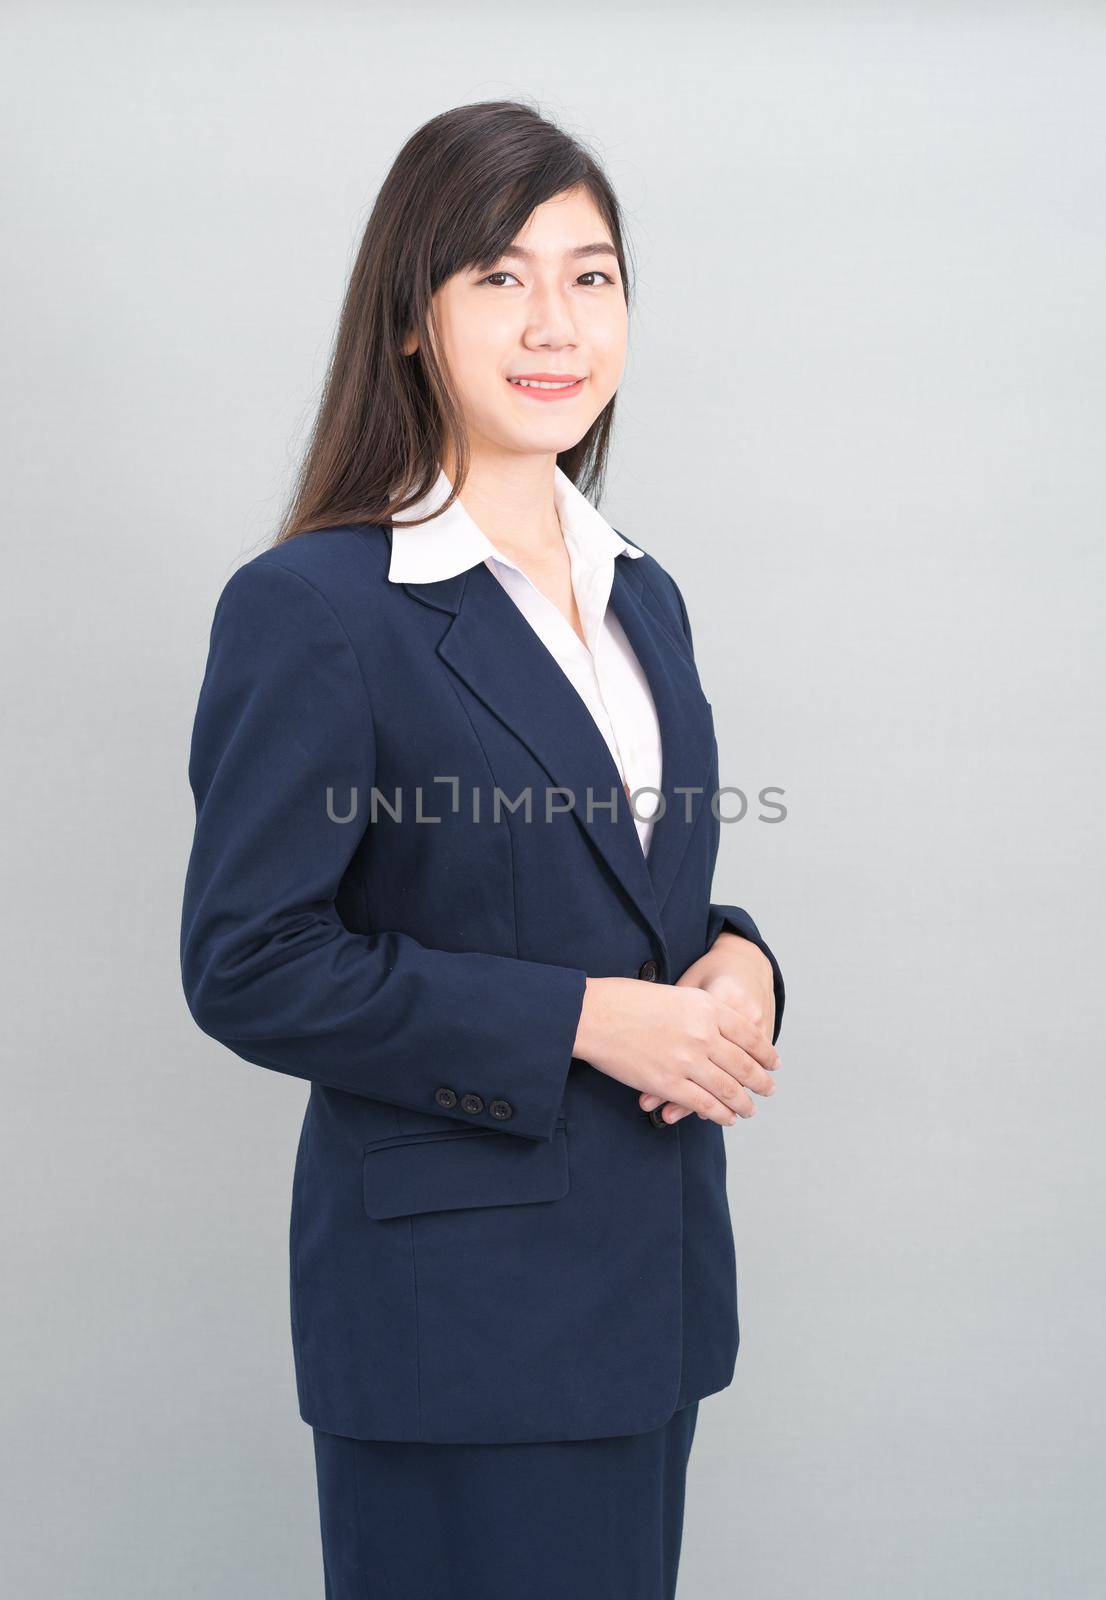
[[672, 1112], [722, 1085], [741, 1030], [649, 1101], [737, 1063], [719, 1099]]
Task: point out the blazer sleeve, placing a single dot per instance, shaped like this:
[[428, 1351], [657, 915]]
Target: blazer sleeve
[[732, 918], [268, 966]]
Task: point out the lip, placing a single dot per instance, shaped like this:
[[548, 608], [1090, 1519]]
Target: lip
[[567, 393]]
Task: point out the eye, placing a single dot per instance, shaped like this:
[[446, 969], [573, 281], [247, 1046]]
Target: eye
[[594, 272]]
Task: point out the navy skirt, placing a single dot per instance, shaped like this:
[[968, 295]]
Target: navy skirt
[[573, 1519]]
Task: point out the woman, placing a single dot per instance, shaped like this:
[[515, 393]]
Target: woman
[[418, 882]]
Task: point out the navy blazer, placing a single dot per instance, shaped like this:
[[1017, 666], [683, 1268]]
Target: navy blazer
[[489, 1240]]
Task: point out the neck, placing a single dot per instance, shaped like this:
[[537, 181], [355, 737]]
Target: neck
[[510, 498]]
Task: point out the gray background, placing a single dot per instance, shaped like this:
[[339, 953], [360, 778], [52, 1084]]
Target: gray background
[[862, 426]]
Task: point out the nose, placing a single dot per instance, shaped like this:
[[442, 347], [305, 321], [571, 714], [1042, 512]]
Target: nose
[[551, 321]]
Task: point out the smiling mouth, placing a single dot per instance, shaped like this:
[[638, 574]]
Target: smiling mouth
[[547, 388]]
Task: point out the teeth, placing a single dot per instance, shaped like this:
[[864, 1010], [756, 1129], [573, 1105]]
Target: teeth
[[533, 383]]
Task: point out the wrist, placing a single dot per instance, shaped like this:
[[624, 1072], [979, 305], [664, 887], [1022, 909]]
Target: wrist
[[603, 1016], [587, 1028], [732, 950]]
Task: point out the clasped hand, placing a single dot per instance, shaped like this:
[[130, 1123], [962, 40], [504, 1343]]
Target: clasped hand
[[701, 1045], [739, 975]]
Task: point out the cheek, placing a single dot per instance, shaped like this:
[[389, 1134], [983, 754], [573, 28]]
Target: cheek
[[475, 374], [481, 353], [608, 360], [608, 336]]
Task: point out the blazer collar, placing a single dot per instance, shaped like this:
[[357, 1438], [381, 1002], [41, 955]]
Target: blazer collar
[[492, 648]]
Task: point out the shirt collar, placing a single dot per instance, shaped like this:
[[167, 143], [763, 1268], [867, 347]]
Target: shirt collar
[[453, 543]]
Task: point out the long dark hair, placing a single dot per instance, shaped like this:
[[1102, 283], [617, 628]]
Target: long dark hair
[[457, 194]]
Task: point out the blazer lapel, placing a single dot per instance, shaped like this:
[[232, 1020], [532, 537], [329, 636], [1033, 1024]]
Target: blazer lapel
[[684, 715], [496, 653]]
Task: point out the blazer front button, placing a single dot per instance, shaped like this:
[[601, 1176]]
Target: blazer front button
[[446, 1097], [501, 1109], [656, 1117], [648, 970], [471, 1102]]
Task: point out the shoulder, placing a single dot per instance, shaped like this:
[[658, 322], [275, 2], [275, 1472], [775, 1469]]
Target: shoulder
[[331, 558], [333, 569], [659, 581]]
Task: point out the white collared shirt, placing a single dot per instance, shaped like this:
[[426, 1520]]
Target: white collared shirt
[[605, 672]]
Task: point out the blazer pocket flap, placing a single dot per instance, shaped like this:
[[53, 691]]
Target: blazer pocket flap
[[449, 1171]]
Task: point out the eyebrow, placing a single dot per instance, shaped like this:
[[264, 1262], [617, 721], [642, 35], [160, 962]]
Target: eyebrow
[[603, 248]]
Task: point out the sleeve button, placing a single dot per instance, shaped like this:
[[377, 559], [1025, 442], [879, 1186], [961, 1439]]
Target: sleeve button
[[501, 1109], [445, 1096], [471, 1102]]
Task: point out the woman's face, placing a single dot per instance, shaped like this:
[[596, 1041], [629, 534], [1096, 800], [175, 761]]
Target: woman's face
[[552, 305]]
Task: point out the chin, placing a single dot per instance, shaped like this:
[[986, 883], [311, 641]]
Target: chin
[[544, 442]]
